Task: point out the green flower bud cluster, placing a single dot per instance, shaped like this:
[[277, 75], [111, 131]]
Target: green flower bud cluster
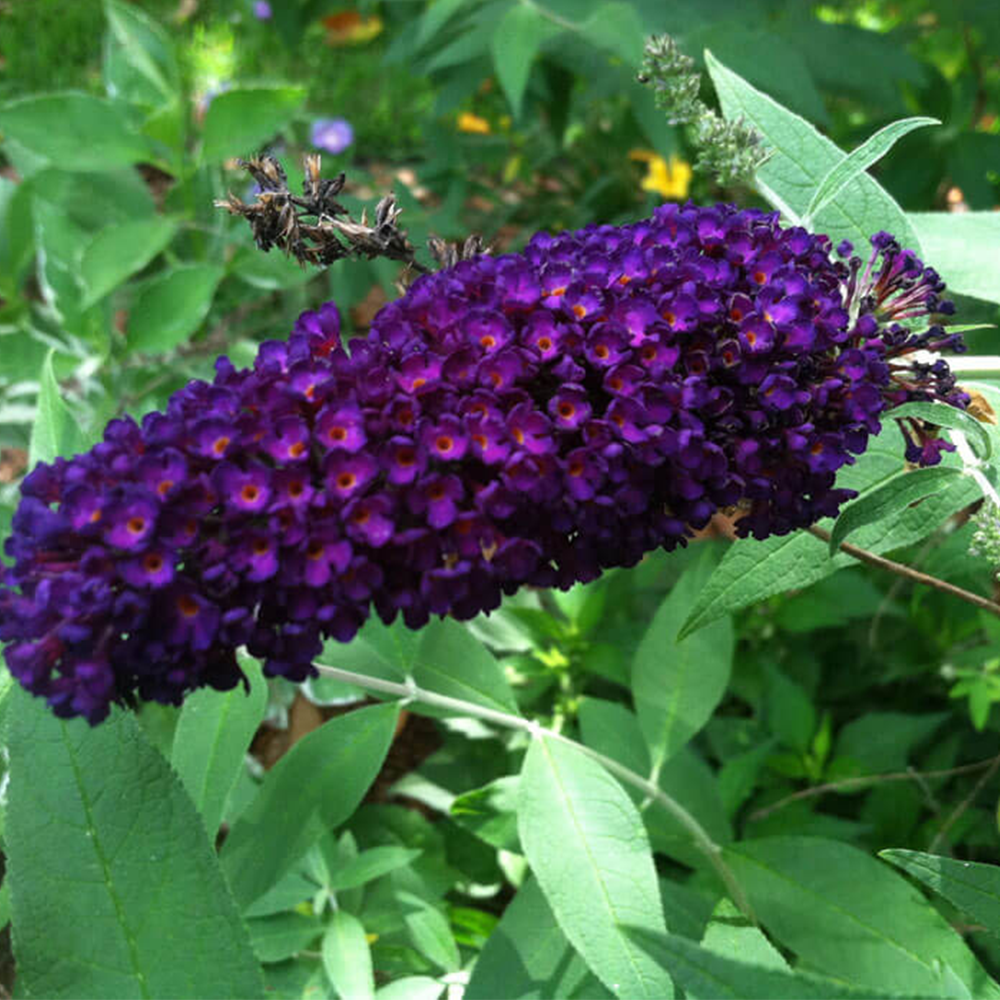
[[986, 539], [731, 151]]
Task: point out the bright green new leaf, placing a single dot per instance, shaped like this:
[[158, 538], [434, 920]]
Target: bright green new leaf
[[588, 848], [347, 958], [801, 158], [676, 685], [212, 738], [964, 247], [514, 47], [118, 252], [312, 789], [969, 886], [889, 499], [56, 432], [242, 120], [116, 888], [73, 131], [703, 972], [527, 955], [849, 916], [171, 308], [858, 161]]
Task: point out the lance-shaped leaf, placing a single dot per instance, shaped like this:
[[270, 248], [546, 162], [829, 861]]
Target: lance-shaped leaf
[[116, 889], [588, 848], [859, 160], [889, 500]]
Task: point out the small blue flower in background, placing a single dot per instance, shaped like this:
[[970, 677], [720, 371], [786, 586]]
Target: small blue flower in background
[[262, 10], [333, 135]]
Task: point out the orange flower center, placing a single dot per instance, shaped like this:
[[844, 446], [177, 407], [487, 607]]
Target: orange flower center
[[187, 606]]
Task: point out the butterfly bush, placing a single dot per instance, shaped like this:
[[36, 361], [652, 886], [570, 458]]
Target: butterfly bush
[[526, 419]]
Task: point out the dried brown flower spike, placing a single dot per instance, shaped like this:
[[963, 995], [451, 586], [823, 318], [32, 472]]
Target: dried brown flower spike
[[278, 218]]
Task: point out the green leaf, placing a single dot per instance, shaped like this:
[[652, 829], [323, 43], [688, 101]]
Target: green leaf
[[268, 271], [116, 889], [429, 931], [490, 812], [56, 432], [514, 46], [242, 120], [611, 729], [171, 308], [617, 28], [146, 48], [451, 661], [965, 248], [312, 789], [888, 500], [527, 955], [370, 865], [16, 235], [347, 957], [412, 987], [883, 741], [738, 776], [847, 915], [730, 933], [790, 713], [802, 158], [702, 972], [676, 685], [587, 846], [969, 886], [943, 415], [118, 252], [859, 160], [751, 571], [282, 935], [386, 651], [212, 738], [73, 131]]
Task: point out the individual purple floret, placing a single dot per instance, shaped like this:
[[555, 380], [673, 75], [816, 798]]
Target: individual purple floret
[[532, 418]]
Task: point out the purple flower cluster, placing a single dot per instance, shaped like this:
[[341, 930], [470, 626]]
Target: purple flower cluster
[[531, 418]]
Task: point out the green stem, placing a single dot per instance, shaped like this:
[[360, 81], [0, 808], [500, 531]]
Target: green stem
[[409, 691]]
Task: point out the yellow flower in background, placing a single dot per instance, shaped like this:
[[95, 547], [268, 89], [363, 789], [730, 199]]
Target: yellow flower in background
[[348, 27], [468, 122], [671, 180]]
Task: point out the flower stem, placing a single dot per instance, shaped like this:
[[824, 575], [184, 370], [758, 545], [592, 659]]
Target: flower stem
[[409, 691], [863, 555]]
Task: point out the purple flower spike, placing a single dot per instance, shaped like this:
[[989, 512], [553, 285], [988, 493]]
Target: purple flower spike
[[528, 419], [262, 10], [333, 135]]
